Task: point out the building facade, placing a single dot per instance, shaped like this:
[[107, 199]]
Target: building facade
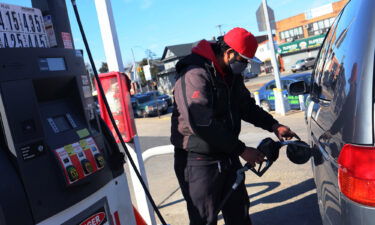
[[300, 36], [171, 55]]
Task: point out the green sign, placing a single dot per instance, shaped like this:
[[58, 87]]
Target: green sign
[[291, 98], [301, 44]]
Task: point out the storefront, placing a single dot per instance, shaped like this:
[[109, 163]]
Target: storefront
[[300, 49]]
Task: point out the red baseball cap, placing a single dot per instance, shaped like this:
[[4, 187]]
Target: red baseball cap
[[242, 41]]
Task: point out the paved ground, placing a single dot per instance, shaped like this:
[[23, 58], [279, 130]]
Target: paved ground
[[285, 195]]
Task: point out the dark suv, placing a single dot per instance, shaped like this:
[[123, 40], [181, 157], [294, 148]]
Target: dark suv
[[340, 118]]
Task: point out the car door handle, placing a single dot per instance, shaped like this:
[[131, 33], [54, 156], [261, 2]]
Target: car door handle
[[324, 102]]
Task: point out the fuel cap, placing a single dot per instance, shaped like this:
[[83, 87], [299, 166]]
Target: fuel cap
[[298, 152]]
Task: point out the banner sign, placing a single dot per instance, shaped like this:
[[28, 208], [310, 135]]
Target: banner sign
[[311, 42]]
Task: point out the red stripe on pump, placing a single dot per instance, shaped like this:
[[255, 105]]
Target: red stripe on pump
[[117, 218]]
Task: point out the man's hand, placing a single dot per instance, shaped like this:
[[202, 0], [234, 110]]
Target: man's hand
[[252, 156], [282, 132]]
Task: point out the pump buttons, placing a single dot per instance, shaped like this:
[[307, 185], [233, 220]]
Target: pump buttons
[[87, 167], [99, 160], [72, 173]]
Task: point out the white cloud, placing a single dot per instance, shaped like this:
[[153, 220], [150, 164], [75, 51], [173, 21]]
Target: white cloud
[[154, 47], [143, 4], [279, 3], [146, 4], [317, 3]]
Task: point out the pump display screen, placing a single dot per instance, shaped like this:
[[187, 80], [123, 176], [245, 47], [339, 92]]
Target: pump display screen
[[62, 123], [52, 64]]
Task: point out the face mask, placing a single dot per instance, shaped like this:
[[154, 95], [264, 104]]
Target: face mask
[[237, 67]]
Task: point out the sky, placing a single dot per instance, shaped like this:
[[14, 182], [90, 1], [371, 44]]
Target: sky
[[154, 24]]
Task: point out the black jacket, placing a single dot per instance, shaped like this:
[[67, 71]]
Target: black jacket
[[208, 110]]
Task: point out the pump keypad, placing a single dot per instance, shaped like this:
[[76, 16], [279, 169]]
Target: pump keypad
[[99, 160], [87, 167], [79, 160], [72, 173]]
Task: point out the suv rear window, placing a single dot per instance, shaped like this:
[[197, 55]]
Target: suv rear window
[[144, 99], [300, 61]]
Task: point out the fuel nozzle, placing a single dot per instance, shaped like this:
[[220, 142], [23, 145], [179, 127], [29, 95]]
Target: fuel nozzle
[[297, 152], [270, 149]]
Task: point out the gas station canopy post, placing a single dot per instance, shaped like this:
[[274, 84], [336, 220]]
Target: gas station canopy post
[[280, 102], [114, 59]]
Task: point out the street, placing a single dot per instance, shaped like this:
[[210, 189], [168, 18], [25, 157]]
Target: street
[[285, 195]]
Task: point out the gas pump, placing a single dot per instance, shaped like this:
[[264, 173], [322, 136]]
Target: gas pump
[[58, 161], [53, 152]]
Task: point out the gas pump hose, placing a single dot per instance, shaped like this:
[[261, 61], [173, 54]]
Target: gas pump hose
[[147, 192]]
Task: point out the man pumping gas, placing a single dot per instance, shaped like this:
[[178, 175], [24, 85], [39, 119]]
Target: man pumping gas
[[210, 102]]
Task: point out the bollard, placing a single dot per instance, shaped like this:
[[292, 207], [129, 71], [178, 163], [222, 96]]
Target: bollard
[[301, 99], [256, 97]]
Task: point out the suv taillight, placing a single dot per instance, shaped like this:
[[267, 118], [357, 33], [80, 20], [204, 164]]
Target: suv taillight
[[357, 173]]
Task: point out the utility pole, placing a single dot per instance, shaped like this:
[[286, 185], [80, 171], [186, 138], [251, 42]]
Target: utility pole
[[136, 77], [219, 27], [280, 104], [149, 55]]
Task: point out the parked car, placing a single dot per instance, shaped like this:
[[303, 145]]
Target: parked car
[[158, 95], [144, 105], [266, 68], [253, 69], [340, 118], [304, 64], [267, 97], [247, 74]]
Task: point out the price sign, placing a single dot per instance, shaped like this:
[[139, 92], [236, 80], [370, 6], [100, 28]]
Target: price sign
[[22, 27]]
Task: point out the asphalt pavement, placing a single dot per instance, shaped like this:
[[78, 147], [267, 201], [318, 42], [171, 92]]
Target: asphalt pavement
[[285, 195]]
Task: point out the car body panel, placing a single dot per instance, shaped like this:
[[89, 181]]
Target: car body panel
[[266, 93], [160, 96], [145, 105], [341, 108], [304, 64], [248, 75]]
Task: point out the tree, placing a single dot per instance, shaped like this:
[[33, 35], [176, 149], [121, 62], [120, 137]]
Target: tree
[[140, 72], [104, 68], [89, 69], [90, 72], [153, 69]]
